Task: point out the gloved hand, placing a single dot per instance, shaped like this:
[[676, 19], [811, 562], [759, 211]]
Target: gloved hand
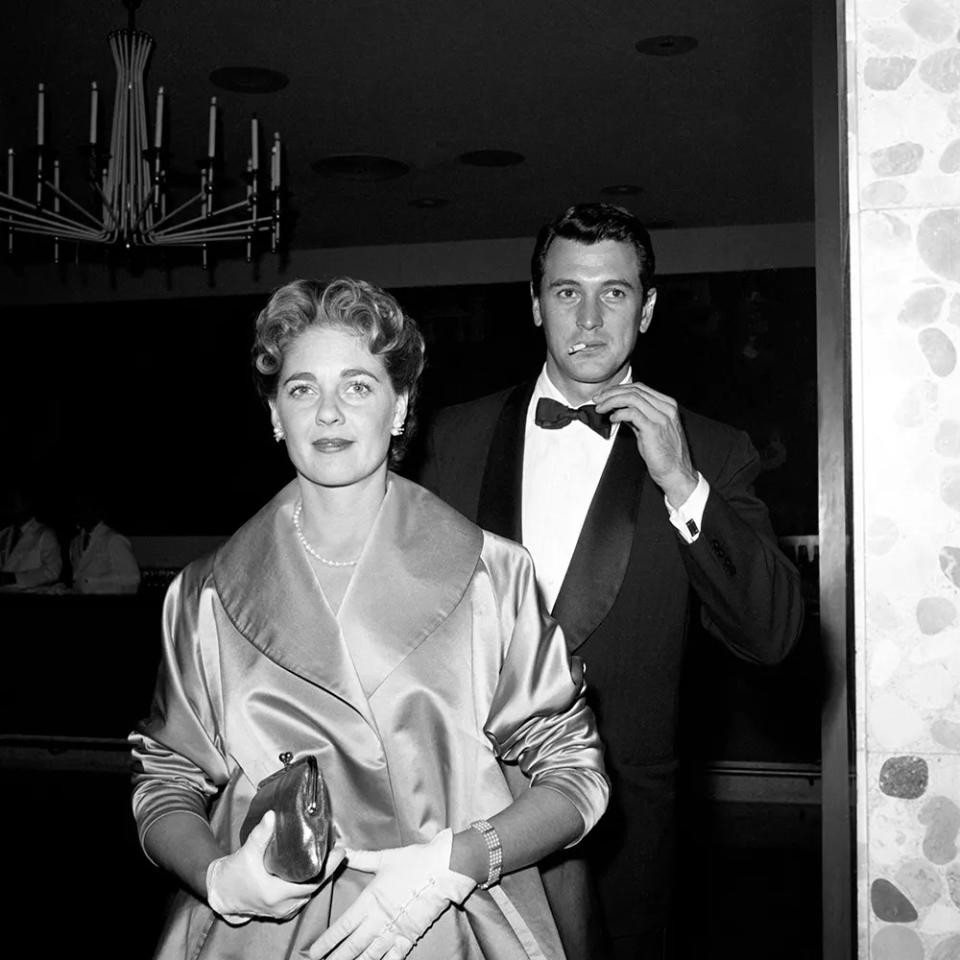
[[412, 887], [239, 886]]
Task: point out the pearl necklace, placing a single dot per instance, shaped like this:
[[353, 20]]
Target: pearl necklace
[[306, 545]]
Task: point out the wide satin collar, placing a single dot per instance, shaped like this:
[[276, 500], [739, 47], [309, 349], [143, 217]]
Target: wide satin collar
[[414, 569]]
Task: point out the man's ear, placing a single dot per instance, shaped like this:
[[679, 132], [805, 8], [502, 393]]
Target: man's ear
[[646, 311], [535, 305]]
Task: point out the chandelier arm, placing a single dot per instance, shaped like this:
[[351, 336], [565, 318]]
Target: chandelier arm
[[144, 186], [236, 225], [108, 207], [113, 161], [196, 198], [73, 203], [238, 229], [33, 223], [242, 230], [203, 217], [199, 239], [22, 209]]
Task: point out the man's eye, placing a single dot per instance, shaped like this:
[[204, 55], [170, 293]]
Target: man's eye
[[616, 294], [566, 293]]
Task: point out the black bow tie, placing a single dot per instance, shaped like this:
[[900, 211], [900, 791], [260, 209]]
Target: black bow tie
[[551, 415]]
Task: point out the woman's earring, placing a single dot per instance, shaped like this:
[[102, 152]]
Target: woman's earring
[[278, 433], [397, 429]]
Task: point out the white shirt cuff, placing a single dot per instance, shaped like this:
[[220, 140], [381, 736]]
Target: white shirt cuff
[[688, 517]]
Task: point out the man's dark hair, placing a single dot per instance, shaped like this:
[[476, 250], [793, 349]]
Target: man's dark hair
[[591, 223]]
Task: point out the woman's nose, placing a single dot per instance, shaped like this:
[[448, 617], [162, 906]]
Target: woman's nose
[[328, 409]]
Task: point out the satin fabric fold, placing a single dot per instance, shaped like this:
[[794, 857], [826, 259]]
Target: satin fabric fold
[[439, 665]]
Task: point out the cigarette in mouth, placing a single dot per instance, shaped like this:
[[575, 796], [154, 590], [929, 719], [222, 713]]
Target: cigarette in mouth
[[577, 347]]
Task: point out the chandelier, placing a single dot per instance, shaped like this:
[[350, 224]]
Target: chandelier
[[128, 204]]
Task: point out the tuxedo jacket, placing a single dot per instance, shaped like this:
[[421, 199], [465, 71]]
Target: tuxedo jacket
[[626, 602]]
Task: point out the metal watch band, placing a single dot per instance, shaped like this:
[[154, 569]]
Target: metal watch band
[[495, 852]]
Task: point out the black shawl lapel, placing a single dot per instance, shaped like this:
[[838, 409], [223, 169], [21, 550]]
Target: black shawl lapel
[[499, 507], [600, 559]]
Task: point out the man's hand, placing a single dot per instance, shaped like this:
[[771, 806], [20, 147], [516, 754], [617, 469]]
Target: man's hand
[[660, 437]]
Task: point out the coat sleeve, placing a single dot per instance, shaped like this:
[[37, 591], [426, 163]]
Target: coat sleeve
[[749, 591], [178, 766], [539, 717]]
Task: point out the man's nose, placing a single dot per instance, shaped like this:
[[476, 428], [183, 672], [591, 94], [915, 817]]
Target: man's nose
[[589, 316], [328, 409]]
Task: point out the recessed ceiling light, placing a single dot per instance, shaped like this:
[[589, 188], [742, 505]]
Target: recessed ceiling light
[[429, 203], [621, 189], [491, 158], [249, 79], [359, 166], [666, 45]]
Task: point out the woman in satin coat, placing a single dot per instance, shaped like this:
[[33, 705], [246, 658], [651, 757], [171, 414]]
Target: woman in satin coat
[[358, 618]]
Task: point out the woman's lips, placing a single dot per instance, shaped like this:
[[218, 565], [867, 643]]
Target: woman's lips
[[332, 445]]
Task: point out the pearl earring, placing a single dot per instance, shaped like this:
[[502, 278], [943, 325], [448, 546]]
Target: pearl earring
[[278, 433], [397, 429]]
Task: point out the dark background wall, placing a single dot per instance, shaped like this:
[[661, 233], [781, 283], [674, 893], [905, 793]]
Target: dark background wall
[[151, 403]]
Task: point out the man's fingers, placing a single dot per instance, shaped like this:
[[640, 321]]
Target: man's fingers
[[650, 403]]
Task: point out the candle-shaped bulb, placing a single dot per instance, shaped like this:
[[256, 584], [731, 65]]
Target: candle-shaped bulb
[[158, 130], [94, 93], [212, 138], [40, 122], [254, 143], [276, 157]]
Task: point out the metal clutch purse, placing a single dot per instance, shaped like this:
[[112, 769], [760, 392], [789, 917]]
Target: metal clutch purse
[[301, 838]]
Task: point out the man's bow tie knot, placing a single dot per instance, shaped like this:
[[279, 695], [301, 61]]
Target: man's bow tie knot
[[551, 415]]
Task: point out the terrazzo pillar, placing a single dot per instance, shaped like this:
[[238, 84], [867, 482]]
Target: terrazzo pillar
[[904, 159]]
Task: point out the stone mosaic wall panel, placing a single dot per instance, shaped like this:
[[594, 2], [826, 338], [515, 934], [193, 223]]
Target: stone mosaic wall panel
[[904, 127]]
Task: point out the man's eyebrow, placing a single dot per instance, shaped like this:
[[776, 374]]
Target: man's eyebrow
[[611, 282]]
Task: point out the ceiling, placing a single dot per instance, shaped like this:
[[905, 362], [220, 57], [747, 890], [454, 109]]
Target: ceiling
[[719, 136]]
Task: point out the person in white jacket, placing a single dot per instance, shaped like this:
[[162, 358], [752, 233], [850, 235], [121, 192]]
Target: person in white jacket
[[30, 553], [102, 560]]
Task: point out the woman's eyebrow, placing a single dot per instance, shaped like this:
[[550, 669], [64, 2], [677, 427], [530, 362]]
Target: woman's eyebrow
[[356, 371], [301, 375]]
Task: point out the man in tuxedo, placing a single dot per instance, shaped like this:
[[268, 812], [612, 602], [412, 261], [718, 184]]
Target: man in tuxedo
[[636, 513]]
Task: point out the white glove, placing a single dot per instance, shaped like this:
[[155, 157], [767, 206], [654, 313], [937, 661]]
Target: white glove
[[239, 886], [412, 887]]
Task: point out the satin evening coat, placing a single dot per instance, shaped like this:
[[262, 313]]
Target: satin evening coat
[[439, 665]]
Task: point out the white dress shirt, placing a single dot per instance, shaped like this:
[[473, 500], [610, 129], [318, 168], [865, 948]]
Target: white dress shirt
[[561, 471]]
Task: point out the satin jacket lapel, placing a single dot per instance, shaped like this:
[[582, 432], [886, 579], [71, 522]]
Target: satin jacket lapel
[[415, 568], [270, 594], [499, 509], [600, 559]]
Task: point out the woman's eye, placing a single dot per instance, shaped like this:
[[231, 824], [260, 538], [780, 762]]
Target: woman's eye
[[299, 390], [356, 388]]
